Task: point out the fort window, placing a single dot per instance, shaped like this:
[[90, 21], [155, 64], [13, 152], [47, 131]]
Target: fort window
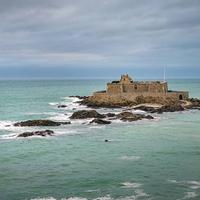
[[135, 86], [180, 97]]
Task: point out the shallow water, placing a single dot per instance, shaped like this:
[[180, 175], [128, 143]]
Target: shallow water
[[157, 159]]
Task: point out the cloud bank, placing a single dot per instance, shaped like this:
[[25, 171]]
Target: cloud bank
[[100, 34]]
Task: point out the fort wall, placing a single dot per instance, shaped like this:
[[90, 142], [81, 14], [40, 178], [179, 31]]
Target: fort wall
[[115, 88], [128, 90]]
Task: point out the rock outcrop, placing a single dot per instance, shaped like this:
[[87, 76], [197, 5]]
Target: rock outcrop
[[37, 133], [79, 97], [84, 114], [130, 117], [110, 115], [62, 106], [113, 102], [165, 108], [146, 108], [170, 108], [194, 103], [40, 123], [100, 121]]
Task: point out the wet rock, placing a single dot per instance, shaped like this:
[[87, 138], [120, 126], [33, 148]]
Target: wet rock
[[87, 102], [110, 115], [62, 106], [80, 97], [100, 121], [133, 118], [146, 109], [84, 114], [165, 108], [148, 117], [170, 108], [130, 117], [124, 114], [40, 123], [194, 103], [37, 133]]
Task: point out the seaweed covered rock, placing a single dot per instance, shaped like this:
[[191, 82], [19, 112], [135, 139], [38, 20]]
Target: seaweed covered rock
[[110, 114], [40, 123], [62, 106], [130, 117], [170, 108], [84, 114], [37, 133], [79, 97], [149, 109], [165, 108], [100, 121], [193, 103]]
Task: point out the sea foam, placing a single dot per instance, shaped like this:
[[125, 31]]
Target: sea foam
[[189, 195], [132, 158], [131, 185]]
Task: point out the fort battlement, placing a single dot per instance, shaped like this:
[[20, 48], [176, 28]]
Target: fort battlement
[[128, 89]]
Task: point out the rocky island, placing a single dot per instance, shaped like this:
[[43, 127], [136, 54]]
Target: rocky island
[[150, 96]]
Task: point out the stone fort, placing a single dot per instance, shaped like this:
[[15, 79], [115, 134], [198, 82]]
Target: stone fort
[[129, 89]]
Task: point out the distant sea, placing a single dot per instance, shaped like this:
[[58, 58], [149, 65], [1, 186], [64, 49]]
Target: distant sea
[[145, 160]]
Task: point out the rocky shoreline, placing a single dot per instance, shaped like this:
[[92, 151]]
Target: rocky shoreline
[[107, 118], [166, 105]]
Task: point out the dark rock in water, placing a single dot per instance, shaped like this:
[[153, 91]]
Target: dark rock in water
[[80, 97], [100, 121], [194, 103], [130, 117], [37, 133], [148, 117], [165, 108], [62, 106], [92, 104], [84, 114], [170, 108], [40, 123], [146, 109], [110, 115], [125, 114]]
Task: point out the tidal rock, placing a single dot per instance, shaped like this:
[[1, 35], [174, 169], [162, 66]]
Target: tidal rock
[[92, 104], [100, 121], [130, 117], [62, 106], [170, 108], [133, 118], [80, 97], [148, 117], [110, 115], [165, 108], [84, 114], [146, 109], [125, 114], [37, 133], [194, 103], [40, 123]]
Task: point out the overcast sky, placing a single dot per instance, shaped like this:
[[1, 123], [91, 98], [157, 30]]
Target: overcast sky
[[99, 38]]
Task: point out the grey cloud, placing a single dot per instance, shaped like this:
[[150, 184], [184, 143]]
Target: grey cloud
[[116, 32]]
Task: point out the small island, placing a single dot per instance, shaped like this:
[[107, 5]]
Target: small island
[[144, 94]]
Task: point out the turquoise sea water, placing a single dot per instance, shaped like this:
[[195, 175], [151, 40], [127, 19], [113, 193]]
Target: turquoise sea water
[[157, 160]]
